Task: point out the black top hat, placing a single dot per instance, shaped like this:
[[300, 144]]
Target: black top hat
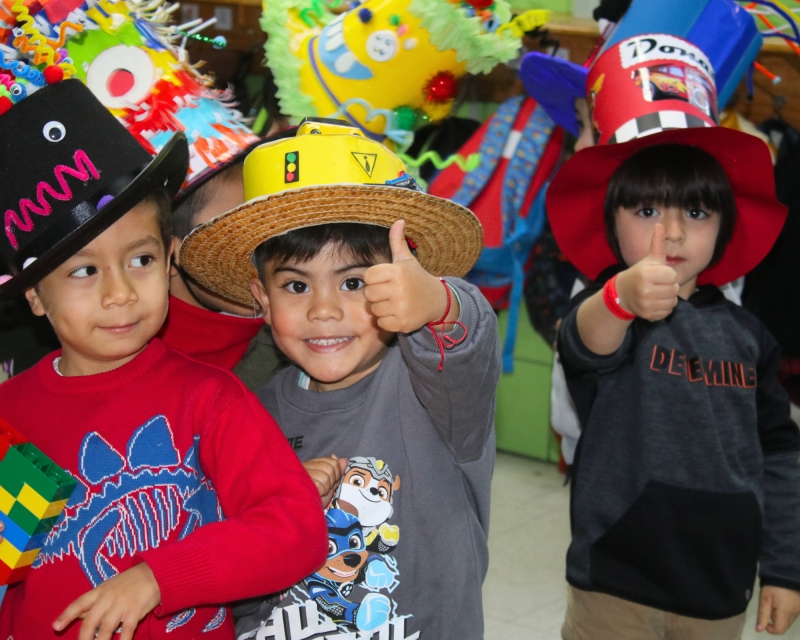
[[68, 171]]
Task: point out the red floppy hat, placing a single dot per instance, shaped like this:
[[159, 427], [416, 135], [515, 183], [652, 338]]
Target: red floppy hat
[[576, 197]]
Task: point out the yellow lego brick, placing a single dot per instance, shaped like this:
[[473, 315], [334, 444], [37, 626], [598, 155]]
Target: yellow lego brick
[[54, 508], [32, 501], [6, 501], [15, 558]]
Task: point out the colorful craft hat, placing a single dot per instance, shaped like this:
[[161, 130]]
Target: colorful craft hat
[[123, 52], [329, 173], [722, 29], [651, 90], [70, 170], [384, 62]]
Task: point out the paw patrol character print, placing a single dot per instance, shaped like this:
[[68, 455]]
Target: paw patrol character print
[[367, 492], [350, 563]]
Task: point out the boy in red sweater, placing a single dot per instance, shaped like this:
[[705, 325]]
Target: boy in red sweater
[[188, 495]]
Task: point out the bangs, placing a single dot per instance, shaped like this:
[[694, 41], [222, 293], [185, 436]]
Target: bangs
[[365, 243], [672, 175]]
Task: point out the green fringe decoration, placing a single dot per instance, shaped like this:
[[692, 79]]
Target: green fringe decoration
[[450, 28], [284, 65]]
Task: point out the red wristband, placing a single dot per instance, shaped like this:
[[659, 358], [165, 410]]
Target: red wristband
[[611, 299], [444, 341]]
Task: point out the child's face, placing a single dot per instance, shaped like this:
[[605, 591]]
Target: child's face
[[108, 300], [227, 193], [320, 318], [690, 237]]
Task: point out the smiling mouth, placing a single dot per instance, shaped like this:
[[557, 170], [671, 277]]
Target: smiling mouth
[[122, 328], [328, 342], [342, 574]]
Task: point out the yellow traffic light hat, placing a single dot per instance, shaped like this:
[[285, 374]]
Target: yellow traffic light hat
[[328, 173]]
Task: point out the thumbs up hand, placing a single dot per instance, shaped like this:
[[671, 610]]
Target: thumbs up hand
[[402, 295], [650, 287]]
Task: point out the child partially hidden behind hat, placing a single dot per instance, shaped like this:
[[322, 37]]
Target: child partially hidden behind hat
[[187, 495], [391, 398], [686, 480]]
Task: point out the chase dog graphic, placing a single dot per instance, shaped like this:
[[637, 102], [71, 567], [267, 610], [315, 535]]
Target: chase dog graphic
[[124, 504], [351, 593]]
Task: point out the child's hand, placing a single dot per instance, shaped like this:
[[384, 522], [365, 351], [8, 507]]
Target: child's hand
[[122, 600], [403, 295], [777, 610], [650, 287], [327, 474]]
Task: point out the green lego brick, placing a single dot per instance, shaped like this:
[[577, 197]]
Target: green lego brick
[[9, 480], [28, 522], [48, 479]]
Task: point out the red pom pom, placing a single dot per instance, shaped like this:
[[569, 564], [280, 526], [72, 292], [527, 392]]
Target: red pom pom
[[441, 88], [53, 74], [5, 104], [480, 4]]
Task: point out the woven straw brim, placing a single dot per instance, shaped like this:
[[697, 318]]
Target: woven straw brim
[[449, 237]]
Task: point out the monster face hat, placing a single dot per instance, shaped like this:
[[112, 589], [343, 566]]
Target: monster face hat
[[329, 173], [385, 65], [133, 61], [69, 171]]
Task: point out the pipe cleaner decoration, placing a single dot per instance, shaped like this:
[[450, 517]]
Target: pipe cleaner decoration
[[134, 60]]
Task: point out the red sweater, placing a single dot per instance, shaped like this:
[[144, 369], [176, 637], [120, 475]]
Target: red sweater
[[179, 466], [213, 338]]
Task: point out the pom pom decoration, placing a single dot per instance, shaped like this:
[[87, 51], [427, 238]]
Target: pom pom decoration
[[365, 15], [480, 4], [441, 88], [53, 74], [405, 118], [5, 104]]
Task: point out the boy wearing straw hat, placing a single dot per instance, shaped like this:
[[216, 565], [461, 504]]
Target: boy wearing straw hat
[[168, 454], [390, 401]]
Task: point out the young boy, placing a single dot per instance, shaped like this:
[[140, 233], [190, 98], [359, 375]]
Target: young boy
[[686, 479], [395, 373], [187, 495]]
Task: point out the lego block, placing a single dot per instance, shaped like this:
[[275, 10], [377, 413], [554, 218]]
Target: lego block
[[28, 522], [13, 557], [54, 509], [20, 538], [9, 437], [9, 575], [33, 467]]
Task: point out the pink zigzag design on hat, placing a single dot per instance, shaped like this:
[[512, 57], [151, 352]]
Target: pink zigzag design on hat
[[85, 170]]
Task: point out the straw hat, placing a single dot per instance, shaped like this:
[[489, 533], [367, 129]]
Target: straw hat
[[328, 173]]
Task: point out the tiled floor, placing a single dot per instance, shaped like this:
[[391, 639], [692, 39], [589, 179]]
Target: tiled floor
[[524, 594]]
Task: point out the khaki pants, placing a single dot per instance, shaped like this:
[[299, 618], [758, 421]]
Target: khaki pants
[[597, 616]]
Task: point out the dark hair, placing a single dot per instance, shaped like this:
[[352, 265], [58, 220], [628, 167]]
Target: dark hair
[[185, 215], [673, 175], [365, 242], [163, 205]]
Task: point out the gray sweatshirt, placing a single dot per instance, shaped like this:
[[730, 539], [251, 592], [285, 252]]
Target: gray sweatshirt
[[408, 527], [686, 479]]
